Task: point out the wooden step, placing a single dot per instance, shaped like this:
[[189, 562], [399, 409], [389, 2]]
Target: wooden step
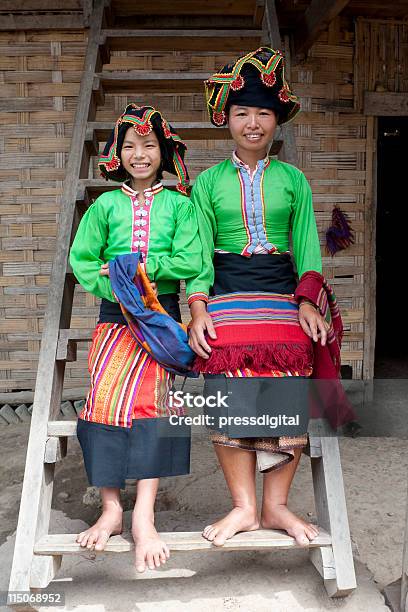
[[262, 539], [187, 130], [61, 429], [142, 81], [181, 40]]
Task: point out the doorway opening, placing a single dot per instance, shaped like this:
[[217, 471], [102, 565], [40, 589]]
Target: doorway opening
[[391, 348]]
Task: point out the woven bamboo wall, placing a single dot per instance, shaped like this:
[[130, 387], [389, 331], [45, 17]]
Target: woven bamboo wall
[[40, 74]]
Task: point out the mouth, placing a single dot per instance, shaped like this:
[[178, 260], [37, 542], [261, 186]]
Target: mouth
[[139, 166], [253, 137]]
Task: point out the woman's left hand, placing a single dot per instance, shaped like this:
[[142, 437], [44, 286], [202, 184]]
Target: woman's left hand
[[313, 323]]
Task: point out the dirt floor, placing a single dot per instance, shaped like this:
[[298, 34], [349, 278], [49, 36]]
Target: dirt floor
[[375, 477]]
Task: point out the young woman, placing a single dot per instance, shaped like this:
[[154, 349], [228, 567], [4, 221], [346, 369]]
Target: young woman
[[117, 428], [253, 326]]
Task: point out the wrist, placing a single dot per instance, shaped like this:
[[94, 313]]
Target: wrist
[[305, 302], [198, 308]]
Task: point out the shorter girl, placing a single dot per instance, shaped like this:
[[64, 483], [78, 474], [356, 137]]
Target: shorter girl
[[118, 428]]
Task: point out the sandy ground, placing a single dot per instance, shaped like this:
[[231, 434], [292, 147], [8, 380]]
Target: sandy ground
[[375, 477]]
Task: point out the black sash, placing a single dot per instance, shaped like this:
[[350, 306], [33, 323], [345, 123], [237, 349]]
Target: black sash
[[267, 273]]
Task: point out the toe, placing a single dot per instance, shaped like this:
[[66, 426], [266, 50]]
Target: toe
[[156, 558], [166, 551], [101, 541], [150, 561], [219, 539], [140, 562], [211, 534]]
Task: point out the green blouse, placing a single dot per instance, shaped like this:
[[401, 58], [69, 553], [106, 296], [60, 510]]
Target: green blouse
[[240, 213], [164, 229]]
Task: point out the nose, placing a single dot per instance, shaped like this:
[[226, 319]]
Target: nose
[[138, 153], [252, 121]]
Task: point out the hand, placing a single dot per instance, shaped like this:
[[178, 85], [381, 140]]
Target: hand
[[154, 287], [313, 323], [104, 271], [201, 323]]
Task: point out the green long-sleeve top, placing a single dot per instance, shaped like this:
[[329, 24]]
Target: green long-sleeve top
[[164, 229], [243, 212]]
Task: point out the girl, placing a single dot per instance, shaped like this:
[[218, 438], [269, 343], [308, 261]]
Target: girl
[[128, 398], [254, 326]]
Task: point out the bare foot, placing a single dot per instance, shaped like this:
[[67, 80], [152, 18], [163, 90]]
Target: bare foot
[[150, 549], [280, 517], [239, 519], [109, 523]]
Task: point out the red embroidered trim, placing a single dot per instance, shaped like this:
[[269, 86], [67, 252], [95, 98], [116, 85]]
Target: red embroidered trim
[[181, 188], [166, 129], [143, 130], [113, 164], [268, 79], [219, 118], [238, 83], [283, 95]]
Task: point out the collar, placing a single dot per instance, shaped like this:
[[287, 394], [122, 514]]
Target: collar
[[148, 193], [238, 163]]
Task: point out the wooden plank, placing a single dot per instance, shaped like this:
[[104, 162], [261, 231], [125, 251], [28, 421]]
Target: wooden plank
[[332, 516], [313, 21], [181, 40], [182, 541], [35, 507], [385, 104], [370, 267], [41, 22], [140, 81]]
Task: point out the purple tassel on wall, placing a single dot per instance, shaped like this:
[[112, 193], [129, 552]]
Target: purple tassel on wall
[[340, 234]]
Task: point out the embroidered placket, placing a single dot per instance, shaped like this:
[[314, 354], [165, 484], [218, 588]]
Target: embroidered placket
[[253, 206]]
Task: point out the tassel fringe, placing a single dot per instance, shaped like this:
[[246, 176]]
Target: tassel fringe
[[260, 357]]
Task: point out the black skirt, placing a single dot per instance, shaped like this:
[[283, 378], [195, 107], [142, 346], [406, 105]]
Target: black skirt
[[114, 454]]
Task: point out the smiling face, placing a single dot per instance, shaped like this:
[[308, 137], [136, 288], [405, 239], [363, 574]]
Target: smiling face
[[141, 158], [252, 128]]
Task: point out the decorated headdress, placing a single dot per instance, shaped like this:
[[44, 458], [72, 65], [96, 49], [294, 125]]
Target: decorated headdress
[[144, 120], [256, 79]]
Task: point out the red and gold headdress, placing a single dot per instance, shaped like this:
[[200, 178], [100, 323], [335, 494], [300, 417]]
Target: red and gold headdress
[[256, 79], [144, 120]]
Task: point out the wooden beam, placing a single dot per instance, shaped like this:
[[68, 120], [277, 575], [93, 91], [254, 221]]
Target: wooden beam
[[41, 22], [314, 21], [14, 6], [383, 104]]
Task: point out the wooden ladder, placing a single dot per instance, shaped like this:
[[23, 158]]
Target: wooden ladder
[[37, 554]]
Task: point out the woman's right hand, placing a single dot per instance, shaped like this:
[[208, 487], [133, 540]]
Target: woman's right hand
[[200, 324]]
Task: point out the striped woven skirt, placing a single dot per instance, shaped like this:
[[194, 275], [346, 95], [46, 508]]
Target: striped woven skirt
[[124, 428], [255, 316]]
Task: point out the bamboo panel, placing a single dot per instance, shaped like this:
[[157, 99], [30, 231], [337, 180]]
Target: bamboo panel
[[387, 41]]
